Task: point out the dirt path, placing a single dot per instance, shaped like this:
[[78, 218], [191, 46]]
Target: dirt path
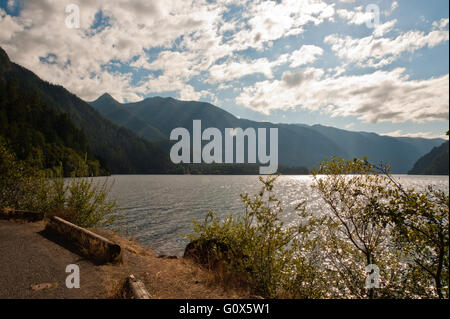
[[28, 258]]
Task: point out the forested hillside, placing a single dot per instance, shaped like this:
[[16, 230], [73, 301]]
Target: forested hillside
[[120, 149], [40, 136], [433, 163]]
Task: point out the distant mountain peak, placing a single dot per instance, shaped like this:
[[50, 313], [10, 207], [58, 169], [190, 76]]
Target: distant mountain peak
[[106, 94], [106, 97]]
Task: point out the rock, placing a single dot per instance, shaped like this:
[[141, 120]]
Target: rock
[[44, 286]]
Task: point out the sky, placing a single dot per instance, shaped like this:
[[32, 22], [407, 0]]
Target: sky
[[378, 66]]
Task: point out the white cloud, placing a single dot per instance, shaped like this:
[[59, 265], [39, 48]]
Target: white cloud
[[9, 27], [195, 28], [297, 77], [382, 29], [40, 30], [441, 24], [358, 16], [350, 125], [196, 42], [271, 20], [376, 97], [394, 6], [361, 15], [401, 133], [232, 70], [305, 55], [377, 52], [176, 65]]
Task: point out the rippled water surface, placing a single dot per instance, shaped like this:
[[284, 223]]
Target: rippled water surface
[[158, 209]]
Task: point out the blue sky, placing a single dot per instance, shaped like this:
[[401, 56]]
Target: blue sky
[[378, 66]]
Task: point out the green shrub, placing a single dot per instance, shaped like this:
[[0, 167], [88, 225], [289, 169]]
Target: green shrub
[[374, 220], [370, 220], [353, 237], [81, 200], [21, 186], [87, 201], [259, 241], [420, 229]]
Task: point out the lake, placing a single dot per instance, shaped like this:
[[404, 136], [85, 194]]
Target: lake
[[158, 209]]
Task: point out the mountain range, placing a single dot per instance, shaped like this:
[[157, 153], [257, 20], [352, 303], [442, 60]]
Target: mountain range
[[299, 145], [133, 138]]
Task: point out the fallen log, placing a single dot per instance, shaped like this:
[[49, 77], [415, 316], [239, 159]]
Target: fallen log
[[89, 244], [136, 288]]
